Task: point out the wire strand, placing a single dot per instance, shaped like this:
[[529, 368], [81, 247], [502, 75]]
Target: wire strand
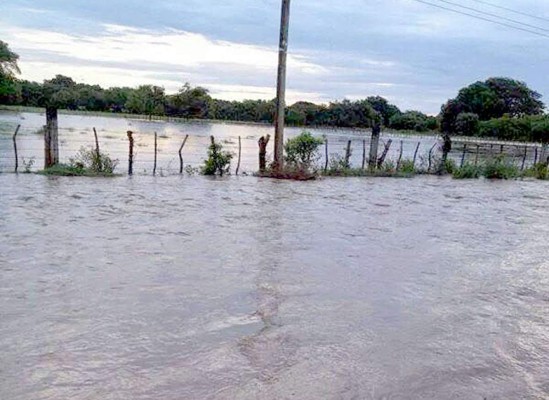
[[482, 18], [512, 10], [514, 21]]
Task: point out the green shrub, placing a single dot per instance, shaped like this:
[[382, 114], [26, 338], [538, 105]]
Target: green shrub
[[302, 150], [93, 162], [218, 161], [499, 168], [87, 162], [538, 171], [467, 171], [407, 167], [507, 128], [64, 170]]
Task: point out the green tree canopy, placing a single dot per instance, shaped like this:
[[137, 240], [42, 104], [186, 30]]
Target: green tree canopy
[[490, 99], [8, 71], [147, 100]]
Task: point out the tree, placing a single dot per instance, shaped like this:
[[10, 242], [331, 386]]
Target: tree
[[61, 93], [8, 71], [147, 100], [491, 99], [383, 108], [413, 121], [467, 124], [116, 98], [189, 102]]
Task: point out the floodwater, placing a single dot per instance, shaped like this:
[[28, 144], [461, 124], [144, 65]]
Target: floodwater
[[77, 131], [247, 288]]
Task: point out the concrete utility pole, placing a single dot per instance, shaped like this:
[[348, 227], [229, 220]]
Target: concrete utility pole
[[281, 87]]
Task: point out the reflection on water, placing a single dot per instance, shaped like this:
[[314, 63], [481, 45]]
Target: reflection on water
[[195, 288]]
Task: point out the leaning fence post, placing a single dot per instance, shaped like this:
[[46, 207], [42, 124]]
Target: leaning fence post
[[348, 155], [463, 155], [130, 157], [180, 155], [415, 153], [326, 155], [239, 155], [381, 159], [97, 152], [524, 158], [15, 147], [155, 151], [400, 155], [430, 157], [535, 155], [476, 155]]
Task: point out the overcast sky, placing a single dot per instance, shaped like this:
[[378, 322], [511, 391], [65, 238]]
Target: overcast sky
[[414, 54]]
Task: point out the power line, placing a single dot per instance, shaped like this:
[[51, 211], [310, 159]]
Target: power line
[[482, 18], [514, 21], [512, 10]]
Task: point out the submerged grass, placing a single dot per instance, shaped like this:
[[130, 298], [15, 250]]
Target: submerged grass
[[72, 170]]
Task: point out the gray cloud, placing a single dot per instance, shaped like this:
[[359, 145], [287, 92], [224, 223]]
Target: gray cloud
[[415, 55]]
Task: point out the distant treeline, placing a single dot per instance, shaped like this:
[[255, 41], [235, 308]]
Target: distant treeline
[[196, 103], [498, 107]]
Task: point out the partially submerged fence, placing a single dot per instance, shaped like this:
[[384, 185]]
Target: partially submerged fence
[[174, 153]]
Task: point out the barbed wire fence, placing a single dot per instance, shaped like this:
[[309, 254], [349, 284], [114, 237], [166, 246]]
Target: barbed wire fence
[[29, 146]]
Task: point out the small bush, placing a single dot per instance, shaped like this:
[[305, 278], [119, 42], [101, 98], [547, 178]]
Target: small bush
[[538, 171], [407, 167], [64, 170], [94, 162], [218, 162], [467, 171], [499, 168], [302, 151], [87, 162]]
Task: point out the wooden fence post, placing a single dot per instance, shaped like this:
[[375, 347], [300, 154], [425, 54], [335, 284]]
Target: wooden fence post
[[263, 142], [463, 155], [430, 157], [239, 155], [97, 152], [535, 155], [15, 147], [348, 155], [363, 153], [400, 155], [476, 155], [326, 154], [180, 155], [130, 158], [374, 144], [51, 138], [155, 152], [384, 154], [524, 158], [415, 154]]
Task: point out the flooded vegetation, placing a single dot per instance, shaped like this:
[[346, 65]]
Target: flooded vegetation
[[216, 288]]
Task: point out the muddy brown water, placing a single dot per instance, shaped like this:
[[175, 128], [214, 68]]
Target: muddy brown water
[[243, 288]]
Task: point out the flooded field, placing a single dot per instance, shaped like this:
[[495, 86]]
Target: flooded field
[[242, 288], [77, 131]]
